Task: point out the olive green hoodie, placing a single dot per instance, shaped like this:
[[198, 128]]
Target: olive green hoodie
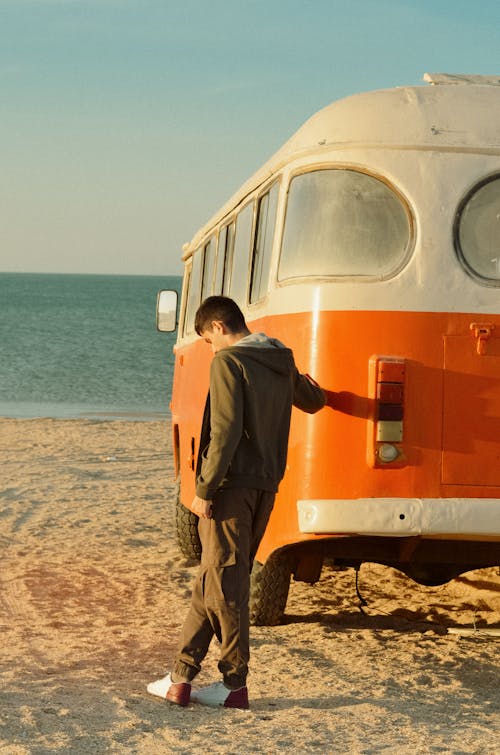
[[244, 437]]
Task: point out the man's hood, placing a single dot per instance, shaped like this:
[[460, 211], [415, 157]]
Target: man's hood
[[269, 352]]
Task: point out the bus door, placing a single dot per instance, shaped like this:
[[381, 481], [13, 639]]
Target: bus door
[[471, 411]]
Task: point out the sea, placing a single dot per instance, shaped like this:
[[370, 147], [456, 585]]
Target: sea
[[84, 346]]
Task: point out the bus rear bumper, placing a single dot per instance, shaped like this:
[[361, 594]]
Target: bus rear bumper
[[401, 517]]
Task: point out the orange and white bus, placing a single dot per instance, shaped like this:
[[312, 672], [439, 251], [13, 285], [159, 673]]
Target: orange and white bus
[[369, 244]]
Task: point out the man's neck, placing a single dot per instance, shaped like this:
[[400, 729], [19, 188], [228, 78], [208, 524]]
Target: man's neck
[[233, 338]]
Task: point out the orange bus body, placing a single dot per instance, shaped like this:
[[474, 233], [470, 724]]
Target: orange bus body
[[412, 358]]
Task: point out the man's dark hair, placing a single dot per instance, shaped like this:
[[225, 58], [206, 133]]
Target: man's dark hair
[[220, 308]]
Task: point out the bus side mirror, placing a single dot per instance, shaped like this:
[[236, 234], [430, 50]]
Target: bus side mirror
[[166, 311]]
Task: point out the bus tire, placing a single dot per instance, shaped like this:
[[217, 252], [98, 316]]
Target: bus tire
[[269, 586], [186, 530]]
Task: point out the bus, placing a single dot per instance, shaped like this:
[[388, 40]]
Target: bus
[[370, 245]]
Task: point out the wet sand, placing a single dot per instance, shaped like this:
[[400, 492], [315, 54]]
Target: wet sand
[[93, 591]]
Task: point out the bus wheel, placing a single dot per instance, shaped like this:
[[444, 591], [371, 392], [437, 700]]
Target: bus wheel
[[186, 528], [269, 585]]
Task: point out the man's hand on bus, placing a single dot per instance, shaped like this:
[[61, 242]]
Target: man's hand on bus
[[201, 508]]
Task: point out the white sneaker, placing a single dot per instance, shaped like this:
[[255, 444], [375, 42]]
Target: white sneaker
[[218, 695], [178, 693]]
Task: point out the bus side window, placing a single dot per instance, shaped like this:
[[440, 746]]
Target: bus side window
[[194, 291], [221, 258], [239, 273], [228, 259], [263, 244], [208, 269], [185, 293], [224, 259]]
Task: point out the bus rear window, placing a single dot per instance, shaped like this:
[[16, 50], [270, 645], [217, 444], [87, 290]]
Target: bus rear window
[[477, 231], [343, 223]]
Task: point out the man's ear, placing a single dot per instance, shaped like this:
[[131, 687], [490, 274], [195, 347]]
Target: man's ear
[[218, 327]]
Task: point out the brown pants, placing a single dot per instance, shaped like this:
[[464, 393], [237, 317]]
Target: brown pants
[[219, 602]]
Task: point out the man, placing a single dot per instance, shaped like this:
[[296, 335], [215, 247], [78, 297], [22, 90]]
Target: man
[[243, 450]]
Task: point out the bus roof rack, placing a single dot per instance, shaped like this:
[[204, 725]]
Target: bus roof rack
[[461, 78]]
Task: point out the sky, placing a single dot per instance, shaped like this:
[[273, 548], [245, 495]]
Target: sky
[[125, 124]]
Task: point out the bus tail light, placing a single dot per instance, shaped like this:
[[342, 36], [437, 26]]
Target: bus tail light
[[386, 429]]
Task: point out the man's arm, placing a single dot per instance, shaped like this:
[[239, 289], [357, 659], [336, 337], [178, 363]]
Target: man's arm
[[307, 394]]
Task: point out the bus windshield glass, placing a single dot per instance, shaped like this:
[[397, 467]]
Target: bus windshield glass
[[343, 223]]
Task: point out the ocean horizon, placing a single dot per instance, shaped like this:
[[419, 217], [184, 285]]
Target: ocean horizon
[[84, 347]]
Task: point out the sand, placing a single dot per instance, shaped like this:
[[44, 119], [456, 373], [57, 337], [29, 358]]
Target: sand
[[93, 591]]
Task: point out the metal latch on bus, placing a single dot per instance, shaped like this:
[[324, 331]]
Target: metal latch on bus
[[482, 333]]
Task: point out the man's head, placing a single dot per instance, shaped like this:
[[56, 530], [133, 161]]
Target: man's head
[[220, 322]]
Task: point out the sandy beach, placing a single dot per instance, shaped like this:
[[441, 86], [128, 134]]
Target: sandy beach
[[93, 591]]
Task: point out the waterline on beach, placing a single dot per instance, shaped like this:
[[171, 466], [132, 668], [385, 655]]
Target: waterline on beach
[[36, 410]]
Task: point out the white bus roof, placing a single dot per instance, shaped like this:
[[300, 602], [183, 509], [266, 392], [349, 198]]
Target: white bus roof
[[457, 112]]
